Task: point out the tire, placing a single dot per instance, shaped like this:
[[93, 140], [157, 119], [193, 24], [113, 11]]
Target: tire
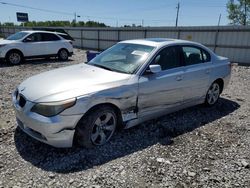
[[213, 94], [14, 57], [63, 55], [96, 128]]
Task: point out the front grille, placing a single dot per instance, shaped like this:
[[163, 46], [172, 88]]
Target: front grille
[[22, 101], [17, 94]]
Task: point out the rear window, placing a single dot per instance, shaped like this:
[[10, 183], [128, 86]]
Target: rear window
[[206, 56], [195, 55], [50, 37], [66, 37]]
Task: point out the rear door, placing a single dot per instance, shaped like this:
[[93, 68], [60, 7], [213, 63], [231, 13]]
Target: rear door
[[52, 43], [162, 92], [197, 71]]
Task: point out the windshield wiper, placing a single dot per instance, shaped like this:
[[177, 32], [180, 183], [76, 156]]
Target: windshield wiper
[[101, 66], [107, 68]]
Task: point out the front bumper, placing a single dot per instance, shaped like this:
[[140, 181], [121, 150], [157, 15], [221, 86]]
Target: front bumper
[[57, 131]]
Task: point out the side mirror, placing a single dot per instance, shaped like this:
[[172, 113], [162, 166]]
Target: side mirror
[[27, 40], [154, 69]]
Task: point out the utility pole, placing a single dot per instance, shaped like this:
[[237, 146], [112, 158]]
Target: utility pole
[[75, 16], [219, 20], [142, 22], [177, 15]]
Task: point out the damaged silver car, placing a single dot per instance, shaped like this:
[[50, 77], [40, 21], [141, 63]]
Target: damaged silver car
[[131, 82]]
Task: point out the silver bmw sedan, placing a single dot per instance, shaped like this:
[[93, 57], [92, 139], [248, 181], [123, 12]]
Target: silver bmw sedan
[[131, 82]]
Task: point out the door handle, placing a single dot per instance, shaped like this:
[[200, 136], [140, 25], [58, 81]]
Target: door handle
[[179, 78]]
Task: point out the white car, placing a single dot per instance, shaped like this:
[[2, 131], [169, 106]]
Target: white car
[[34, 44]]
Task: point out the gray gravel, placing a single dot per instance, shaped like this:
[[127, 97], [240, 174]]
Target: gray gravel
[[195, 147]]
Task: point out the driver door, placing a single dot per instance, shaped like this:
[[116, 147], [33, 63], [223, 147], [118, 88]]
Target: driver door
[[162, 92]]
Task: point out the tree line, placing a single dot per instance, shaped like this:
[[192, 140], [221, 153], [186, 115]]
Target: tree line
[[57, 24]]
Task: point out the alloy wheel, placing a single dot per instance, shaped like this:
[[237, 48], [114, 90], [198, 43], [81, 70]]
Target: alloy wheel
[[14, 58], [103, 129], [213, 93], [63, 54]]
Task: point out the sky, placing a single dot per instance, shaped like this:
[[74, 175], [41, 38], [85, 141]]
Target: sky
[[121, 12]]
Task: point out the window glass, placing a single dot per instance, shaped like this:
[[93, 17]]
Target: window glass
[[17, 36], [66, 37], [123, 57], [168, 58], [206, 56], [192, 55], [36, 37], [50, 37]]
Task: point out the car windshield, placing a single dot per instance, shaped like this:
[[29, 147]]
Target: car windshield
[[17, 36], [123, 57]]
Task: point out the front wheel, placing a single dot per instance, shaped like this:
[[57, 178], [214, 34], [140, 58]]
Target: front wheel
[[14, 57], [97, 127], [213, 94], [63, 55]]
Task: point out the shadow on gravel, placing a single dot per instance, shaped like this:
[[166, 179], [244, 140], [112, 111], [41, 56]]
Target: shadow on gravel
[[37, 61], [124, 142]]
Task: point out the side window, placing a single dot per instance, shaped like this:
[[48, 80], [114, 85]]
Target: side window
[[206, 56], [50, 37], [168, 58], [192, 55], [36, 37]]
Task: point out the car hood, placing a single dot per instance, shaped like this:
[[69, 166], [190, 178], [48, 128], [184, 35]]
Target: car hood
[[3, 41], [72, 81]]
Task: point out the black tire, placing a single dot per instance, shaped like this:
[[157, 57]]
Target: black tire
[[63, 55], [89, 134], [213, 94], [14, 57]]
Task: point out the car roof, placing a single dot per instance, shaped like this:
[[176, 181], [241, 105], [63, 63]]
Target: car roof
[[41, 31], [158, 42]]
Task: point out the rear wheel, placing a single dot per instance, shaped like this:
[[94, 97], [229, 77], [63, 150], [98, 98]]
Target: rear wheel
[[14, 57], [97, 127], [63, 54], [213, 94]]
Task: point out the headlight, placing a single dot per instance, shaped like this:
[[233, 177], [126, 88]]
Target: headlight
[[53, 108]]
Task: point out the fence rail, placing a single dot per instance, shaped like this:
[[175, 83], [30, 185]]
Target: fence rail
[[229, 41]]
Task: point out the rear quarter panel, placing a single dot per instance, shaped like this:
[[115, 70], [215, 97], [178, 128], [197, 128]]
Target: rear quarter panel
[[221, 68]]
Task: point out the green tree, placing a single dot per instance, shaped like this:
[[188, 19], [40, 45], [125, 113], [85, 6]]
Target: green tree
[[239, 12], [8, 24], [63, 24]]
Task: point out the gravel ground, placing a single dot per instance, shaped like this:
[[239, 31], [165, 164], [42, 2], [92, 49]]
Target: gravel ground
[[195, 147]]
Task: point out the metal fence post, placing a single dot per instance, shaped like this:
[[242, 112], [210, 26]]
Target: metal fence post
[[118, 35], [81, 39], [145, 33], [178, 33], [98, 39]]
